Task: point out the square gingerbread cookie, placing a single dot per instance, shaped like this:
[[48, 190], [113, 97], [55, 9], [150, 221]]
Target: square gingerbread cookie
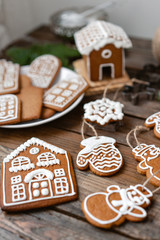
[[64, 93], [37, 174]]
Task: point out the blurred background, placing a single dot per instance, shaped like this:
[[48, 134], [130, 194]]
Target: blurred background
[[139, 18]]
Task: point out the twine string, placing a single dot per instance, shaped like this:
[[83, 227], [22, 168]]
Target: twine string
[[116, 93], [137, 128], [145, 183], [88, 124]]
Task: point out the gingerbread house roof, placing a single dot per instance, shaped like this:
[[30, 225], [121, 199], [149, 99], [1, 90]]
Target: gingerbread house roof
[[99, 33], [33, 141]]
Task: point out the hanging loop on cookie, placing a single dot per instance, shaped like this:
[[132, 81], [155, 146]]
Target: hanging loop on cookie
[[134, 131], [88, 124], [145, 183]]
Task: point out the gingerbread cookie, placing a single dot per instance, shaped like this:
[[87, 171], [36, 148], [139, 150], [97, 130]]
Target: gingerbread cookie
[[9, 77], [103, 111], [43, 70], [154, 121], [31, 98], [37, 174], [100, 155], [149, 157], [47, 113], [113, 207], [64, 93], [25, 81], [10, 109]]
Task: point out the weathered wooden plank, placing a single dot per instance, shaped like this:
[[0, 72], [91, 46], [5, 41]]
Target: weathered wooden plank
[[49, 224], [86, 180]]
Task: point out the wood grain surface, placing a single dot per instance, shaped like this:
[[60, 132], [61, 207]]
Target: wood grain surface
[[66, 221]]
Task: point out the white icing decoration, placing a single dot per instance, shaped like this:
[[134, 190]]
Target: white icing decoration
[[36, 193], [129, 201], [35, 185], [154, 119], [42, 70], [44, 184], [61, 185], [101, 154], [45, 191], [39, 177], [31, 142], [9, 76], [5, 113], [59, 172], [32, 174], [75, 85], [34, 150], [106, 53], [18, 192], [46, 159], [147, 154], [16, 179], [97, 34], [21, 163], [103, 110]]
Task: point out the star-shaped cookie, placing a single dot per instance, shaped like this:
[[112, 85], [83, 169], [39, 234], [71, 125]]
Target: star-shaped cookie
[[103, 111]]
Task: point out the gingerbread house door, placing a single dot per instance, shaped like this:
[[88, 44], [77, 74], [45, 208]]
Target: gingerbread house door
[[39, 184]]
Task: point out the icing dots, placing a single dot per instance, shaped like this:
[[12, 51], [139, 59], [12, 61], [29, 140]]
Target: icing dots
[[116, 205], [103, 111], [43, 70], [100, 155], [99, 33], [9, 77]]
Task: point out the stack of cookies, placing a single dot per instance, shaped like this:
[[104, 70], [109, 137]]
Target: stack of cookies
[[35, 95]]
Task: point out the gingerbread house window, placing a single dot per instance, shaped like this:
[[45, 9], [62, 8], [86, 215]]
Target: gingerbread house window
[[16, 179], [18, 192], [46, 159], [61, 185], [21, 163], [59, 172]]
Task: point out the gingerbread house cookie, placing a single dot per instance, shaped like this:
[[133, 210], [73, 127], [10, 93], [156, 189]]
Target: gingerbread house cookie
[[9, 77], [36, 174], [43, 70], [102, 46], [10, 109]]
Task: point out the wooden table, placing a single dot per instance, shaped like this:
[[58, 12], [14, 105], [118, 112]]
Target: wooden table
[[66, 221]]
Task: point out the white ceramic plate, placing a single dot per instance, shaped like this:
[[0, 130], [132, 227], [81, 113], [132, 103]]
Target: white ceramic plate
[[63, 73]]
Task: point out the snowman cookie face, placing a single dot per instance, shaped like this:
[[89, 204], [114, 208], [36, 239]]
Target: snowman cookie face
[[100, 155]]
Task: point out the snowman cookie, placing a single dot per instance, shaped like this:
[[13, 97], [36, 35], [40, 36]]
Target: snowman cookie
[[100, 155], [113, 207]]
